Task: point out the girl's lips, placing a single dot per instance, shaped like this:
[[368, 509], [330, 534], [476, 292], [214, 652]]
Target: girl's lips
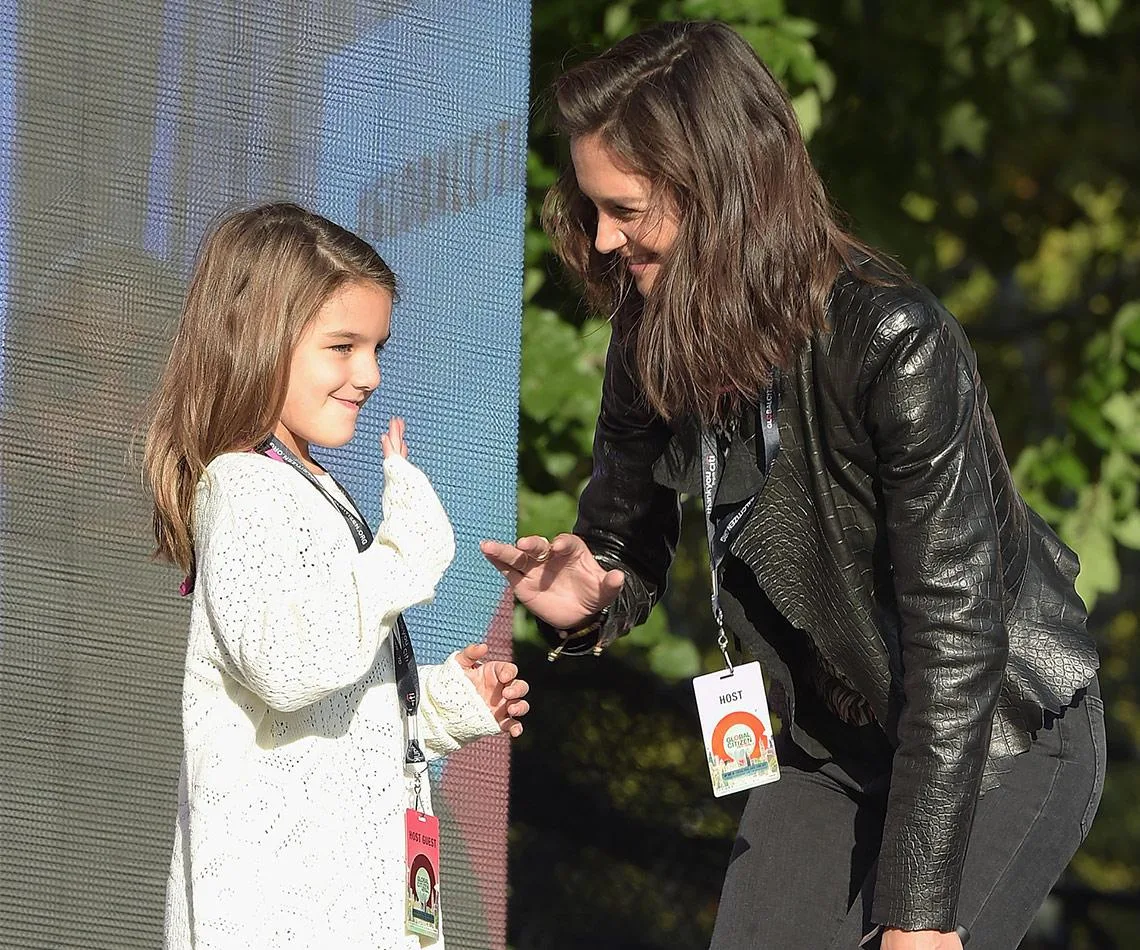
[[355, 406]]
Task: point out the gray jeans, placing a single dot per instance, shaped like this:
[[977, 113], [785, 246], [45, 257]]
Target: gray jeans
[[802, 871]]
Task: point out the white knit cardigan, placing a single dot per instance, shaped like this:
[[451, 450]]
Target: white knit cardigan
[[290, 829]]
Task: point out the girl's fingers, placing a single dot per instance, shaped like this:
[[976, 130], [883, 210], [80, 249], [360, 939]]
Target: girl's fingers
[[395, 436], [469, 656], [517, 690], [518, 710]]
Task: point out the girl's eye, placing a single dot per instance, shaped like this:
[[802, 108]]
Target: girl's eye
[[343, 347], [626, 214]]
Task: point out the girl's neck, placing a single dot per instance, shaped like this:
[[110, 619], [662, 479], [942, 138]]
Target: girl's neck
[[298, 446]]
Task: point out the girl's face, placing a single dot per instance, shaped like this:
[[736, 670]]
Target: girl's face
[[334, 368], [631, 224]]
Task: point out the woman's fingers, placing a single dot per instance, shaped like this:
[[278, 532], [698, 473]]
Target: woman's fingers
[[566, 543], [611, 584], [506, 556], [535, 547]]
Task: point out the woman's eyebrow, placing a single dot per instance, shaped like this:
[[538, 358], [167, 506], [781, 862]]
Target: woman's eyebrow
[[623, 202]]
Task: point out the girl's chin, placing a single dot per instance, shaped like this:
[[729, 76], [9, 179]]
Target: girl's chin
[[332, 439]]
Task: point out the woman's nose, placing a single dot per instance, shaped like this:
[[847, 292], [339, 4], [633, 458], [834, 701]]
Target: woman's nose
[[608, 237]]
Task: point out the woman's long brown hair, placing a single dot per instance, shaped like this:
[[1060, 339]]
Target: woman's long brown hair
[[690, 107], [260, 279]]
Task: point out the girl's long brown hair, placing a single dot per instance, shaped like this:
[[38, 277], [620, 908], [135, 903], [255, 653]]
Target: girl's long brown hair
[[260, 279], [690, 107]]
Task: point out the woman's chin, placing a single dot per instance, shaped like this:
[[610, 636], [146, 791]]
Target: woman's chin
[[644, 277]]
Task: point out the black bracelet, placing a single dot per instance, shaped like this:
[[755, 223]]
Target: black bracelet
[[577, 640]]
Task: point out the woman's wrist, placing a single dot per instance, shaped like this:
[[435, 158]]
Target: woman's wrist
[[580, 639]]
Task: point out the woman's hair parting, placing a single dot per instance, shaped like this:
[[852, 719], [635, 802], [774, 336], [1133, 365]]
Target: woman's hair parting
[[690, 107], [260, 279]]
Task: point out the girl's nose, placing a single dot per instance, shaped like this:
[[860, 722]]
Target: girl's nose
[[367, 377]]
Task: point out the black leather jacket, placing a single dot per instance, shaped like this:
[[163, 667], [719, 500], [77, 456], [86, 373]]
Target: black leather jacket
[[891, 539]]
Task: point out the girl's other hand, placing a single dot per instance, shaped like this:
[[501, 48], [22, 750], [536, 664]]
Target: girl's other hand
[[392, 442], [498, 684]]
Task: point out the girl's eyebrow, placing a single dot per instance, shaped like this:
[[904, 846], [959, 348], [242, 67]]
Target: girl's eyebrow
[[353, 337]]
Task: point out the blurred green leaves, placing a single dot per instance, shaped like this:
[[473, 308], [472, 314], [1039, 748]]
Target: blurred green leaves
[[1088, 481]]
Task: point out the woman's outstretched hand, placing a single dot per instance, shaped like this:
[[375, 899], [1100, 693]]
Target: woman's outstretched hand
[[498, 684], [558, 581]]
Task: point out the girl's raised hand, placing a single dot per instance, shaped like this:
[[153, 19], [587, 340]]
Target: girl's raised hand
[[498, 684], [392, 442]]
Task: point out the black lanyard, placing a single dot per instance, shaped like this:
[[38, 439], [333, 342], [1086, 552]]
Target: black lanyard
[[722, 529], [407, 673], [361, 533]]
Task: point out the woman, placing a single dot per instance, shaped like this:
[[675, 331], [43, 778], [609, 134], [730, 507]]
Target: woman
[[942, 755]]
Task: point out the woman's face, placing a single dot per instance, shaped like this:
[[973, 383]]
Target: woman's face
[[334, 367], [632, 223]]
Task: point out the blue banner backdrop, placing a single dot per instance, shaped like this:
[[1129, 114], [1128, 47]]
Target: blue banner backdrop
[[126, 128]]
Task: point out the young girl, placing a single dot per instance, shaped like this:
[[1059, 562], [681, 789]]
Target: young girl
[[300, 757]]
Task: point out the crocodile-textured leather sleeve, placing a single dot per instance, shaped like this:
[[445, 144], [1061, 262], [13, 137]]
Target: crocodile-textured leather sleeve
[[926, 426], [628, 520]]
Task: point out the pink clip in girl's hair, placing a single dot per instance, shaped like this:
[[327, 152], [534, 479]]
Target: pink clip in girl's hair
[[187, 586]]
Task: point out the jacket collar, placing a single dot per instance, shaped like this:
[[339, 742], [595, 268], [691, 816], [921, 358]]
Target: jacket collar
[[679, 466]]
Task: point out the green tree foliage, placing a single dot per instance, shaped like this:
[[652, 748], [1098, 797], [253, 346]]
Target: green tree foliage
[[989, 146]]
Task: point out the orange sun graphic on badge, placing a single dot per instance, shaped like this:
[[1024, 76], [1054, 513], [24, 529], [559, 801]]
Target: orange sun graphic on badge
[[739, 737]]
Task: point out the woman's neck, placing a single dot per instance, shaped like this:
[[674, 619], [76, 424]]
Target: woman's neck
[[298, 446]]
